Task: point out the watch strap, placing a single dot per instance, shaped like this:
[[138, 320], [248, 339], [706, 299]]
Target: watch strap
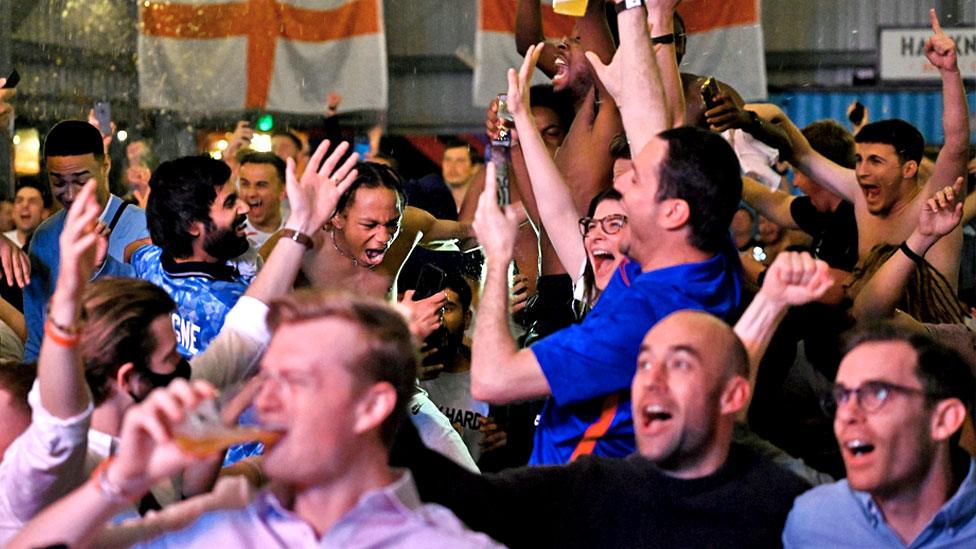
[[663, 39], [627, 4], [301, 238]]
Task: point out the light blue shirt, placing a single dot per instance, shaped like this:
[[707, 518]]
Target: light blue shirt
[[834, 515], [389, 517], [45, 256]]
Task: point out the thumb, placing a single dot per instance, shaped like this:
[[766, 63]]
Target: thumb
[[598, 67]]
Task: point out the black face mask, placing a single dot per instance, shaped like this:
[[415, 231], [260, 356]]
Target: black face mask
[[156, 381]]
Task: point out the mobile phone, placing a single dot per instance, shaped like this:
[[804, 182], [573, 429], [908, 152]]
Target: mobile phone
[[709, 91], [103, 114], [12, 80], [430, 281], [857, 114]]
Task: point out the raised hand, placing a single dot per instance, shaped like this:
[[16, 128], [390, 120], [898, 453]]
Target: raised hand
[[520, 83], [610, 75], [82, 238], [942, 212], [7, 112], [426, 315], [940, 50], [313, 200], [106, 139], [241, 139], [147, 450], [495, 227], [726, 114], [519, 293], [796, 278]]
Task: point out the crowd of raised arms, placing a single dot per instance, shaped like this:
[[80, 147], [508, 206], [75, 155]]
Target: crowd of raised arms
[[300, 348]]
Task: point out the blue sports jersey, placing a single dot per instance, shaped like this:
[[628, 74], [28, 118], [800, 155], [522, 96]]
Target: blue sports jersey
[[203, 292], [590, 365]]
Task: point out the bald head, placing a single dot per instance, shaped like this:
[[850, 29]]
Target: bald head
[[690, 383]]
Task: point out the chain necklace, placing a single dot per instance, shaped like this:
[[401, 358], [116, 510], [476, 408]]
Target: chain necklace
[[347, 255]]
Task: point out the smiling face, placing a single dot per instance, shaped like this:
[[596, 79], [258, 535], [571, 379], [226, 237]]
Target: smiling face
[[68, 174], [223, 237], [572, 68], [262, 191], [604, 250], [369, 224], [884, 179], [891, 448], [681, 394]]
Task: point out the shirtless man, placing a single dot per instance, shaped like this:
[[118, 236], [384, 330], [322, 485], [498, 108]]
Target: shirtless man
[[371, 234], [885, 187]]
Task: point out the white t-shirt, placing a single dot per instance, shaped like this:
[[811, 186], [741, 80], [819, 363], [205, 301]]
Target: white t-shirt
[[451, 393], [12, 235]]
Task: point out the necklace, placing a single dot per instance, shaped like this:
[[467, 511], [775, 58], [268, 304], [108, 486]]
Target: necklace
[[347, 255]]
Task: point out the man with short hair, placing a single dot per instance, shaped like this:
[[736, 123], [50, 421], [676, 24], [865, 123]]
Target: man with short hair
[[197, 224], [458, 166], [900, 402], [679, 209], [688, 484], [337, 409], [73, 155], [31, 206], [261, 184], [885, 187]]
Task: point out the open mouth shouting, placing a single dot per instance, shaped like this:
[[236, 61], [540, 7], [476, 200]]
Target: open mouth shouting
[[654, 418], [374, 256], [856, 450], [603, 263], [562, 71]]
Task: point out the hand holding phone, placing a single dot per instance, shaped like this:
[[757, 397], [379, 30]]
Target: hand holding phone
[[103, 115], [709, 91], [12, 80], [430, 281]]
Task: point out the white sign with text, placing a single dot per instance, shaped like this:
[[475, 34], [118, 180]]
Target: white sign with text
[[902, 53]]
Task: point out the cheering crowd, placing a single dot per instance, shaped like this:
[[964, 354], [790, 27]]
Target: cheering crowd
[[300, 348]]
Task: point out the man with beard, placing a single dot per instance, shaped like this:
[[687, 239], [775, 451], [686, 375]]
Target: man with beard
[[450, 386], [196, 221]]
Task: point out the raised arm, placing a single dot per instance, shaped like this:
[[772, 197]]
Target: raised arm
[[64, 392], [951, 163], [557, 211], [823, 171], [147, 454], [773, 204], [633, 80], [939, 217], [660, 23], [793, 279], [500, 372], [232, 355]]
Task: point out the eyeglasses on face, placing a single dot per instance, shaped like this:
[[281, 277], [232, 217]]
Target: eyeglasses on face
[[870, 396], [610, 224]]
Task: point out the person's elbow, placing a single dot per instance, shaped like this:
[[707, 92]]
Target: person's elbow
[[489, 388]]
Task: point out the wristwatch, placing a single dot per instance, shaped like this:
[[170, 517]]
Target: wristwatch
[[627, 4]]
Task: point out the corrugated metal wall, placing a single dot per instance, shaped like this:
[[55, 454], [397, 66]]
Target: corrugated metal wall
[[922, 109]]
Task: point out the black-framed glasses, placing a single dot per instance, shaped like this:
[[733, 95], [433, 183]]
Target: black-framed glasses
[[870, 396], [610, 224]]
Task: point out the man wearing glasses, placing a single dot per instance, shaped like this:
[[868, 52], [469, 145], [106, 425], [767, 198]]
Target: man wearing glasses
[[900, 402]]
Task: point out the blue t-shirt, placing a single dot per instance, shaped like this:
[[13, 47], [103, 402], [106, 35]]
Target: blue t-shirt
[[203, 292], [45, 257], [590, 366]]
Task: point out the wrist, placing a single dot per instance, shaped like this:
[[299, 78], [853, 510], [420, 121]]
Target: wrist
[[919, 243], [304, 226]]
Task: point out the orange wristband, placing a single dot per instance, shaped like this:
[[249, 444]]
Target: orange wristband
[[63, 340]]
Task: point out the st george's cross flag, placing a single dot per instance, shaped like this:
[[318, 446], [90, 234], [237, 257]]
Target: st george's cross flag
[[275, 55]]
